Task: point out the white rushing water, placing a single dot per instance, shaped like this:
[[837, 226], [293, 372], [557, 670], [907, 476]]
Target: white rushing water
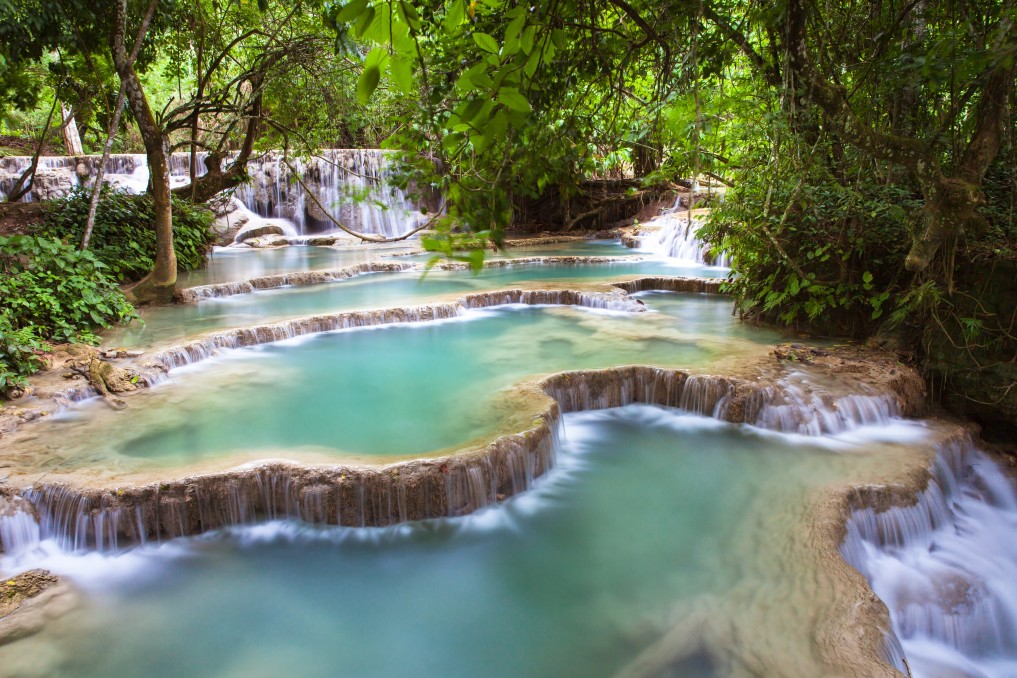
[[678, 238], [352, 184], [56, 176], [947, 568]]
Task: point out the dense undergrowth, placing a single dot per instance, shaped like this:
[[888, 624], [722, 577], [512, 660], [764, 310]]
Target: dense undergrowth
[[817, 256], [824, 252], [54, 292], [123, 237]]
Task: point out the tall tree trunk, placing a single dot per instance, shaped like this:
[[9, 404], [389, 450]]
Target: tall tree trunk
[[93, 202], [72, 141], [23, 185], [114, 126], [160, 284]]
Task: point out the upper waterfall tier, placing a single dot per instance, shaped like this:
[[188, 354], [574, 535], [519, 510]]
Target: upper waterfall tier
[[352, 184]]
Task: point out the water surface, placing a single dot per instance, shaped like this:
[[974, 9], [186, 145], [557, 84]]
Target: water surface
[[387, 391], [655, 523]]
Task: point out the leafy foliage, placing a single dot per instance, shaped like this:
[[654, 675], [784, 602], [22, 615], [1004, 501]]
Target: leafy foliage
[[19, 354], [51, 291], [123, 239], [812, 251]]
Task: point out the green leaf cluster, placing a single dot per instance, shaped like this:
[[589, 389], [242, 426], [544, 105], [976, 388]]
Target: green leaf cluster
[[51, 291], [123, 238], [843, 248]]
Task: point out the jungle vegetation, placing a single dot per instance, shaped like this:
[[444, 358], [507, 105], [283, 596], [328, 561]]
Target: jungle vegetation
[[867, 147]]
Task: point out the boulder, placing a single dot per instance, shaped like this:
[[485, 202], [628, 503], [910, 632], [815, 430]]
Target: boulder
[[256, 231]]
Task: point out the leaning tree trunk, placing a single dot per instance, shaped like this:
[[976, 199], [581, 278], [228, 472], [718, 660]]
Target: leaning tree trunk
[[160, 284]]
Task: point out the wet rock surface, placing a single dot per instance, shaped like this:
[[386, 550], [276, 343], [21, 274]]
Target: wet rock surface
[[29, 600]]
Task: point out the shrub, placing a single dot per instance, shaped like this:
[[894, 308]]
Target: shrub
[[123, 238], [19, 354], [50, 291], [843, 249]]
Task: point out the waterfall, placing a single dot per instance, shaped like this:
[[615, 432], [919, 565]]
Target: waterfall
[[56, 176], [18, 533], [352, 184], [678, 238], [946, 568]]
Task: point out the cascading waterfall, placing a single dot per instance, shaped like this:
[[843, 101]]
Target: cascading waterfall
[[678, 238], [19, 532], [352, 184], [946, 567], [450, 486], [56, 176]]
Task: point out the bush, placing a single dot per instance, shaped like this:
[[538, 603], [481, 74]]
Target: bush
[[123, 238], [50, 291], [848, 241], [19, 354]]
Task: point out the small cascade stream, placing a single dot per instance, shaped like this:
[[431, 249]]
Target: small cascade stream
[[678, 238], [946, 568]]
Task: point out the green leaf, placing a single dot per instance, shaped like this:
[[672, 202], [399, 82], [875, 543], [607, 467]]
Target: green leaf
[[367, 83], [454, 16], [511, 97], [401, 70], [365, 21], [486, 42], [409, 14], [476, 259], [526, 40], [471, 109], [351, 11], [376, 58], [512, 34], [532, 64]]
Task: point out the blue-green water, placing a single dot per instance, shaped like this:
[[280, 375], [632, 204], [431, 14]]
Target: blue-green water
[[653, 521], [397, 390], [226, 264], [376, 290]]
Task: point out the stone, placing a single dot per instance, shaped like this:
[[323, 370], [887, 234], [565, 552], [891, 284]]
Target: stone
[[321, 241], [270, 240], [256, 231]]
